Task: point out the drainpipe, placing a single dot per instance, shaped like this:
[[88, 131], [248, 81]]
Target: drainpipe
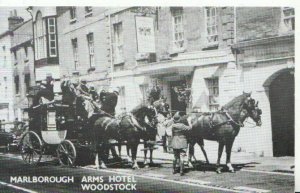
[[29, 10], [111, 47]]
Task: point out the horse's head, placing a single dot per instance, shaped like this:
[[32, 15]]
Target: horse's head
[[151, 114], [162, 107], [251, 109]]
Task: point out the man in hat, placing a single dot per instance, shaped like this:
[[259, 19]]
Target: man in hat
[[179, 141], [46, 90], [109, 101], [82, 88], [154, 95], [93, 93]]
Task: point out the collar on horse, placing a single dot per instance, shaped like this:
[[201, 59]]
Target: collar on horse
[[228, 121]]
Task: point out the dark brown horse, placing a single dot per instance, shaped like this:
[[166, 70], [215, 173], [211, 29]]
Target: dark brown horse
[[223, 126], [149, 136], [129, 127], [133, 127]]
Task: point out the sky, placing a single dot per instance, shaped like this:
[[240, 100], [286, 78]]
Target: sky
[[4, 14]]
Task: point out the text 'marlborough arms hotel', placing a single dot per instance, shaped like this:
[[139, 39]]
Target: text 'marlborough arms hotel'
[[215, 52]]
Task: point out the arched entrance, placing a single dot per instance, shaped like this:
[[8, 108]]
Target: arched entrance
[[282, 102]]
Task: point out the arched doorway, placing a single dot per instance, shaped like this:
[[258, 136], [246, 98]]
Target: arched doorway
[[282, 102]]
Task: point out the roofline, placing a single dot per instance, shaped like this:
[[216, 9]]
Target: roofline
[[8, 32]]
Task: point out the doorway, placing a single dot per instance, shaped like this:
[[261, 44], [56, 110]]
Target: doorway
[[282, 102], [177, 105]]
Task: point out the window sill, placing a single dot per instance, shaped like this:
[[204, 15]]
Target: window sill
[[73, 21], [75, 73], [90, 14], [119, 62], [211, 46], [91, 69], [177, 51]]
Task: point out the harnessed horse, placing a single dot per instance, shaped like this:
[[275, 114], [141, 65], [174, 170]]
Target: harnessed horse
[[223, 126]]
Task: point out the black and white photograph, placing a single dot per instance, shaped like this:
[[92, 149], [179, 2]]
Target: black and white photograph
[[162, 98]]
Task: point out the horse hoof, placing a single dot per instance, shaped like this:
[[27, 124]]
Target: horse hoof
[[219, 171], [146, 165], [232, 171]]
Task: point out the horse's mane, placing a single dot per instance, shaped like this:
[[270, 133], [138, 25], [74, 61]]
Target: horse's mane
[[138, 108], [237, 101]]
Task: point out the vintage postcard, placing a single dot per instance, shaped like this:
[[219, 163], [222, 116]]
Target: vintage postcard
[[147, 98]]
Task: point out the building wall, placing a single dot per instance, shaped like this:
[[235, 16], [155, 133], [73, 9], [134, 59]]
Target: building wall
[[83, 25], [6, 79], [23, 64]]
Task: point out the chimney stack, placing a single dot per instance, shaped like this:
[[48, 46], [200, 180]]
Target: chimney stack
[[14, 20]]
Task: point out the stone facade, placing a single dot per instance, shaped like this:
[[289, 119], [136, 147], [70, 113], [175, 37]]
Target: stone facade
[[23, 66]]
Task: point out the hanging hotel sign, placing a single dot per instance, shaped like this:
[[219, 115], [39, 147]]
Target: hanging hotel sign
[[145, 34]]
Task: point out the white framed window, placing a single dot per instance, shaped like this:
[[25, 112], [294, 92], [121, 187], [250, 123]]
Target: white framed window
[[88, 11], [52, 37], [144, 91], [178, 29], [40, 37], [118, 45], [289, 18], [75, 52], [90, 40], [211, 22], [213, 93], [122, 95], [73, 14]]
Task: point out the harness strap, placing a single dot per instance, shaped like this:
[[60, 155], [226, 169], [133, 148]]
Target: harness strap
[[230, 120]]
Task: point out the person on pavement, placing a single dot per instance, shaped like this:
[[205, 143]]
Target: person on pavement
[[179, 142]]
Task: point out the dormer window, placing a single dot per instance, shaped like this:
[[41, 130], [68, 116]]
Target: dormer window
[[211, 23], [289, 18], [73, 14], [88, 11]]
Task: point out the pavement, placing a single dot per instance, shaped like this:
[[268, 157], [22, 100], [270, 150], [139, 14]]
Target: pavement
[[248, 161]]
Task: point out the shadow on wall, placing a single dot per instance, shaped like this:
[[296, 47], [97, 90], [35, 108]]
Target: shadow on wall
[[201, 102]]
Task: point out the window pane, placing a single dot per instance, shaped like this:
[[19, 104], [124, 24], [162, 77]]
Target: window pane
[[52, 44], [51, 21], [53, 51], [52, 37]]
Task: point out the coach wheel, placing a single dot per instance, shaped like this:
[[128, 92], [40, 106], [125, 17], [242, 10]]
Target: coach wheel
[[66, 153], [31, 148]]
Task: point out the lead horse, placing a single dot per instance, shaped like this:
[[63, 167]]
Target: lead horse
[[223, 126]]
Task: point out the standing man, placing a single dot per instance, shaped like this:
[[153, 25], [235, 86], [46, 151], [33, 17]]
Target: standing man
[[109, 101], [179, 142]]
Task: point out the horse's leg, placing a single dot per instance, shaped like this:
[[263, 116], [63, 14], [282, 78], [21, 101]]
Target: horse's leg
[[220, 151], [145, 154], [201, 144], [151, 156], [191, 153], [133, 148], [128, 152], [97, 161], [228, 145], [103, 155], [120, 149]]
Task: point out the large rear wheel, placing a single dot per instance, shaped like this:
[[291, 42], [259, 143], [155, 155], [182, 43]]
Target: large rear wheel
[[31, 148], [66, 153]]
